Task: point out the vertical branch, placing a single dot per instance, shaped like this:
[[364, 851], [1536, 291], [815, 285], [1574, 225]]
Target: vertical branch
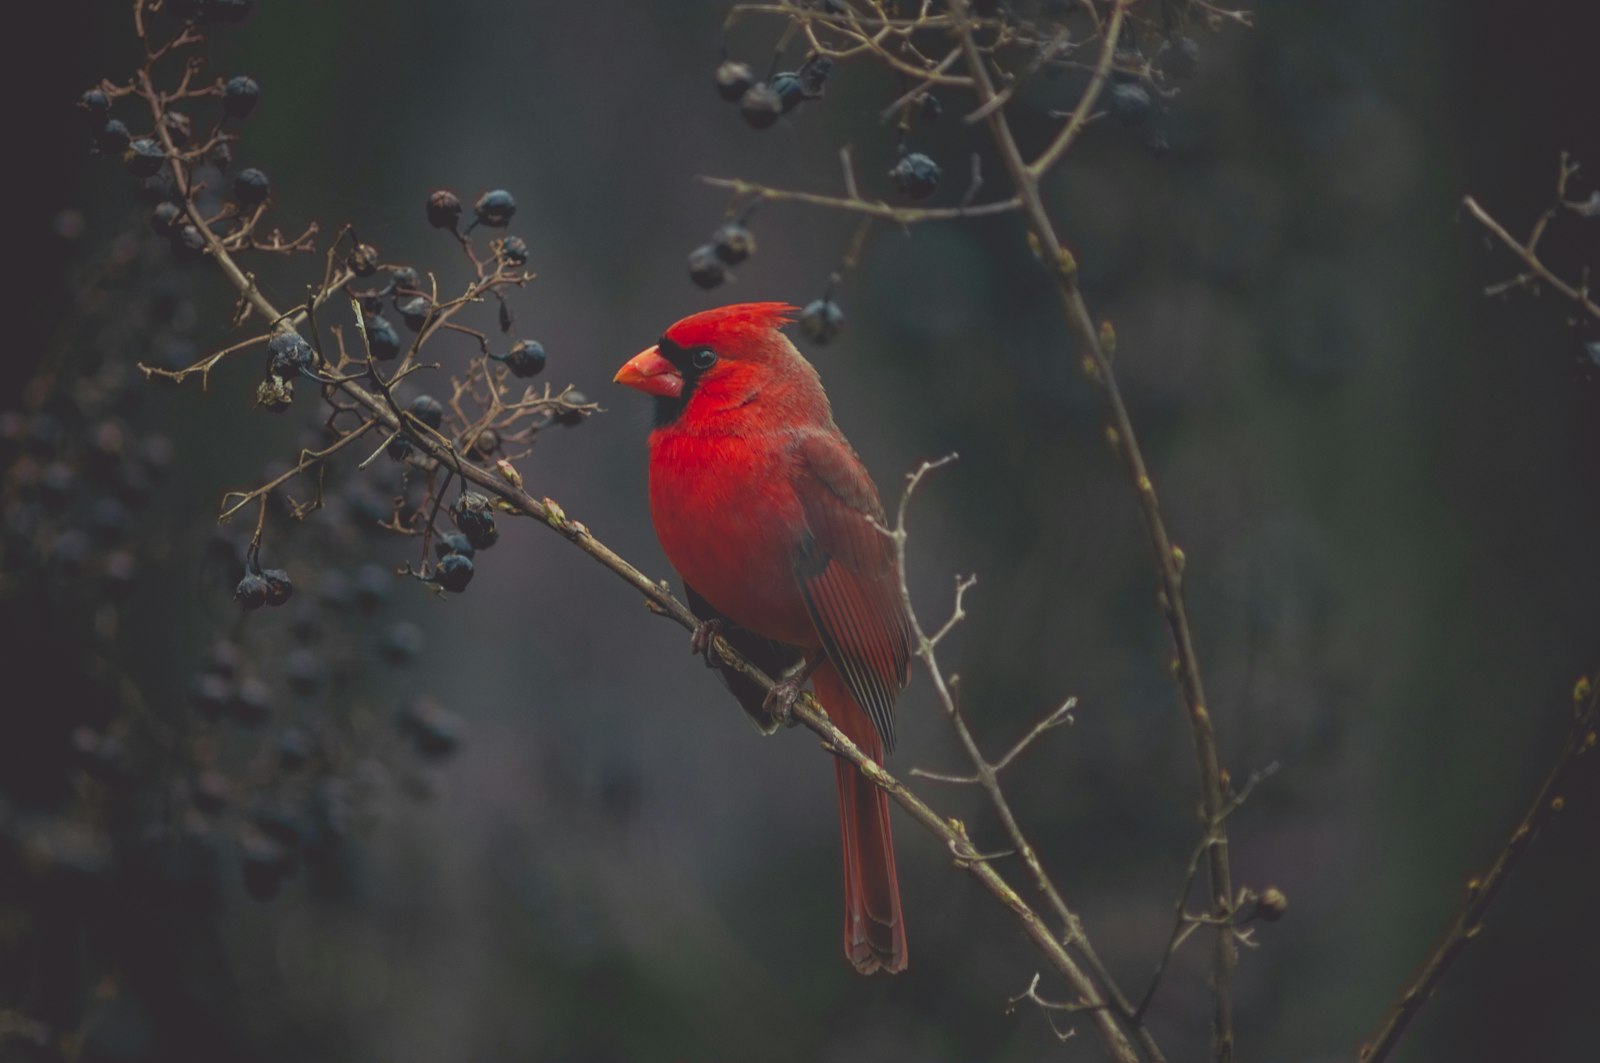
[[1168, 560]]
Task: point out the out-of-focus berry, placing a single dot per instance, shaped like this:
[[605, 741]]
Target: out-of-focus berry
[[733, 243], [1130, 103], [706, 269], [414, 311], [144, 157], [761, 106], [916, 176], [821, 321], [733, 80]]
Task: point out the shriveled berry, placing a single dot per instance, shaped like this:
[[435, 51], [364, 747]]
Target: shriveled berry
[[405, 277], [1130, 103], [188, 242], [454, 572], [571, 418], [362, 260], [383, 342], [251, 187], [495, 208], [279, 586], [240, 96], [916, 176], [444, 209], [734, 80], [733, 243], [514, 249], [428, 410], [706, 269], [485, 443], [821, 321], [790, 89], [144, 157], [288, 353], [761, 106], [525, 358], [476, 520], [96, 107], [414, 311], [112, 138], [275, 394], [452, 543], [252, 591], [220, 155]]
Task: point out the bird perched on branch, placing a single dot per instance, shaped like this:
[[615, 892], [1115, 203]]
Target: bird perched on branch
[[776, 528]]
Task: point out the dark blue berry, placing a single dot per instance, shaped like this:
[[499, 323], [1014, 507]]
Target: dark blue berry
[[525, 358], [383, 342], [495, 208], [288, 354], [252, 591], [916, 176], [240, 96], [144, 158], [454, 572], [761, 106], [428, 410], [821, 321], [251, 187], [733, 243], [706, 269]]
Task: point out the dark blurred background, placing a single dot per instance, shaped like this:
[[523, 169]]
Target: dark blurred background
[[1385, 485]]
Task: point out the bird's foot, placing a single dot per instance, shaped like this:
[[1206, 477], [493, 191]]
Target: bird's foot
[[703, 638], [780, 701]]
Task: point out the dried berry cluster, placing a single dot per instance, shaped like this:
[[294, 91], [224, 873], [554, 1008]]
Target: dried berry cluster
[[1151, 59]]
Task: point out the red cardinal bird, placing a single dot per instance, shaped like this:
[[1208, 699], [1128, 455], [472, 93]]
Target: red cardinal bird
[[767, 514]]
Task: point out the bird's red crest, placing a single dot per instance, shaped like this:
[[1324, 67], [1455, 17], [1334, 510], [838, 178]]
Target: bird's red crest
[[741, 320]]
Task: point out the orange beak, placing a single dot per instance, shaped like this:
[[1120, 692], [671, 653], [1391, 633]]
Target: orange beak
[[652, 374]]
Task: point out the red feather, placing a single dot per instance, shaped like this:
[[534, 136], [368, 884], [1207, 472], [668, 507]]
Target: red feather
[[767, 513]]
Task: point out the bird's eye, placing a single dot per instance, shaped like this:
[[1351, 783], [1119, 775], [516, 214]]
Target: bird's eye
[[704, 358]]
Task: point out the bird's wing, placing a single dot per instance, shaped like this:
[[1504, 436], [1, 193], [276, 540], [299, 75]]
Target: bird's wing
[[847, 573], [773, 658]]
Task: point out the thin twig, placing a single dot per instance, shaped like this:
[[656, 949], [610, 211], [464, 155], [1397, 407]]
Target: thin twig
[[1481, 891], [1168, 567]]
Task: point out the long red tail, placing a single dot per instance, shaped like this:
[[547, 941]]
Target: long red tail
[[874, 931]]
